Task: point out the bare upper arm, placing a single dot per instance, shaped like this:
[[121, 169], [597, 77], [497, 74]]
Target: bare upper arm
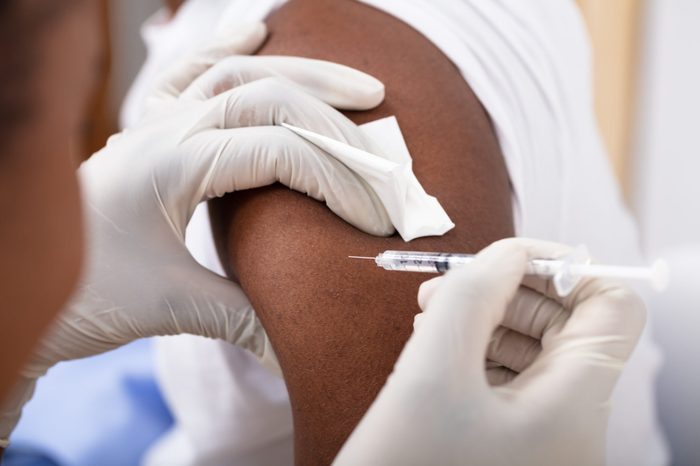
[[337, 325]]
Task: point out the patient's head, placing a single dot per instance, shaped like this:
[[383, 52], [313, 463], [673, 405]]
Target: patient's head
[[47, 54]]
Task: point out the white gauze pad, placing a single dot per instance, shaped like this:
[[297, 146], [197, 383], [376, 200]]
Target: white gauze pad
[[413, 212]]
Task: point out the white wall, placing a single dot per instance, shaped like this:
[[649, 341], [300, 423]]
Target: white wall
[[128, 49], [667, 202], [667, 147]]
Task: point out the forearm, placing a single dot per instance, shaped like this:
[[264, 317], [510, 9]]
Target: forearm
[[30, 306]]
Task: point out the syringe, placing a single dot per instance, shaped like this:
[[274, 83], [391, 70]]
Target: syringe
[[565, 272]]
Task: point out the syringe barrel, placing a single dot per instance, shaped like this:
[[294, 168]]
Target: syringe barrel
[[441, 262], [565, 272], [429, 262]]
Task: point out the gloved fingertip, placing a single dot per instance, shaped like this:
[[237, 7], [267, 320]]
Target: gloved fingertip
[[352, 89], [506, 257], [258, 30], [491, 279], [370, 93], [242, 38], [426, 291], [375, 90], [417, 319]]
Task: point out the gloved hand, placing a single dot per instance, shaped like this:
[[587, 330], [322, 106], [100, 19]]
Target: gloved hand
[[225, 63], [438, 406], [141, 189]]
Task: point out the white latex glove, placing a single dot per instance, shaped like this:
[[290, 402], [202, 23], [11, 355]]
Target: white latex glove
[[225, 63], [141, 189], [438, 406]]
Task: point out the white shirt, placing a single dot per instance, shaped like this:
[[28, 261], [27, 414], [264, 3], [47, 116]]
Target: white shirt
[[528, 62]]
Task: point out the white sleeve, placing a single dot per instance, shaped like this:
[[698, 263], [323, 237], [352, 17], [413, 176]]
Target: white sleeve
[[529, 64]]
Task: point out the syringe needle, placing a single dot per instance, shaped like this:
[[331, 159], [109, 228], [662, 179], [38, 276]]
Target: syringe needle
[[360, 257]]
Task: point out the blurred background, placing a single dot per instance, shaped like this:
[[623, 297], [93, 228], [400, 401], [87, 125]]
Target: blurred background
[[647, 98]]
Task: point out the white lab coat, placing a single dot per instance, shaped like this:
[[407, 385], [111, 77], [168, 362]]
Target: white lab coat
[[529, 64]]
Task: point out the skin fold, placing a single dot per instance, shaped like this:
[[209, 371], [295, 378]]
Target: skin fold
[[338, 325]]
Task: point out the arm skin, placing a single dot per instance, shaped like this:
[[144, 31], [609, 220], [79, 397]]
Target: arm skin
[[338, 325]]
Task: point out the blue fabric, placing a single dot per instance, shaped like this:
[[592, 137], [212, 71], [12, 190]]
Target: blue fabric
[[104, 410], [18, 456]]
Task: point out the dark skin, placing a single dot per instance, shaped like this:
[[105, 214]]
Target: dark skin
[[338, 325], [38, 186]]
